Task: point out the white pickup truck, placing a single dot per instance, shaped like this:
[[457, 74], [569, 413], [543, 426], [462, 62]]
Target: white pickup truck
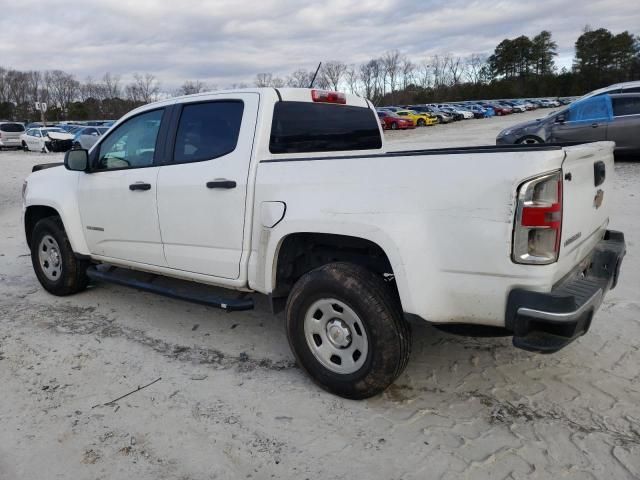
[[291, 193]]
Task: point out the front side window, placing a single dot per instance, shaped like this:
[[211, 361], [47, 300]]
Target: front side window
[[626, 106], [207, 130], [132, 144]]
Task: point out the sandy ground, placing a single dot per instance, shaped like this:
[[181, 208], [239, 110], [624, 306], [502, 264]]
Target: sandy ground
[[232, 404]]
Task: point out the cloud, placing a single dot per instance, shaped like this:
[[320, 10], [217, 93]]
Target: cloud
[[226, 41]]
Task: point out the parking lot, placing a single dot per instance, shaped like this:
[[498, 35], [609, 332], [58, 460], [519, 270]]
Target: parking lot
[[230, 401]]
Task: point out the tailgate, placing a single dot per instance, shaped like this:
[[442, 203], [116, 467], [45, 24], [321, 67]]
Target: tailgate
[[588, 180]]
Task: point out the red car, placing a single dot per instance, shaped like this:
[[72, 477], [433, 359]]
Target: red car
[[499, 109], [395, 122]]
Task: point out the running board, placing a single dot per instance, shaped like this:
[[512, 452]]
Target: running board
[[201, 298]]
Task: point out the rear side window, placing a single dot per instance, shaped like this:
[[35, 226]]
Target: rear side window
[[626, 106], [300, 127], [12, 127], [208, 130]]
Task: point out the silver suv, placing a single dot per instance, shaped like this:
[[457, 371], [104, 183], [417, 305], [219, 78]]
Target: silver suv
[[10, 134]]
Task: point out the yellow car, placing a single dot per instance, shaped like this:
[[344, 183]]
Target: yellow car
[[420, 119]]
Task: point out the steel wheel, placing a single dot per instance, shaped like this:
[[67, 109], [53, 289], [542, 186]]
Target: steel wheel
[[335, 335], [49, 257]]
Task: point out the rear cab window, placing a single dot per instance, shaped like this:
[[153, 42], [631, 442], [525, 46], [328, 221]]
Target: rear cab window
[[304, 127]]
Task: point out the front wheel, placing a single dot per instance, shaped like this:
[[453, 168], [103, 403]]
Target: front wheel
[[53, 260], [421, 122], [394, 126], [346, 330]]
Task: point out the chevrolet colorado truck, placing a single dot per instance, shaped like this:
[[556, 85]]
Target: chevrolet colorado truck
[[290, 193]]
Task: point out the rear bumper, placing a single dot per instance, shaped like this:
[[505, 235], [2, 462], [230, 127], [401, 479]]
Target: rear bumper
[[547, 322]]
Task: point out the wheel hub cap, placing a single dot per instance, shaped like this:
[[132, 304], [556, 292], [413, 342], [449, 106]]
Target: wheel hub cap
[[336, 336], [49, 257], [338, 333]]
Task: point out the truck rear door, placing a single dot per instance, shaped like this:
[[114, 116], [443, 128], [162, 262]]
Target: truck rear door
[[202, 192], [588, 178]]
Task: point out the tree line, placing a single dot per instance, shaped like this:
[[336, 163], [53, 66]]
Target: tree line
[[518, 67]]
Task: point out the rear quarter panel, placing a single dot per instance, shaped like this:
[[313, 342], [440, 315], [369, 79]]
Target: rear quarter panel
[[444, 220]]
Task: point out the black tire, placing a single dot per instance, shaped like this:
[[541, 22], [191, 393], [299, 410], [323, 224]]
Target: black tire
[[72, 275], [378, 310], [529, 140], [25, 147], [394, 126], [421, 122]]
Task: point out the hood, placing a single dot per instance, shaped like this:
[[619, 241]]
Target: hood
[[59, 136]]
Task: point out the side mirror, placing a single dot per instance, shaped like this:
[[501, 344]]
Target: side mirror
[[561, 118], [76, 160]]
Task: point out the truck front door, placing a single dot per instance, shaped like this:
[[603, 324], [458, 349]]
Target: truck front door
[[117, 200], [202, 191]]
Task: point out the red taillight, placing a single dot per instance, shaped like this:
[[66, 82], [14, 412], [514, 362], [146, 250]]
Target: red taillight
[[326, 96], [536, 237]]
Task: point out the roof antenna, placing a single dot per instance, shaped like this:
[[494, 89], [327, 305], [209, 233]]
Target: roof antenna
[[315, 75]]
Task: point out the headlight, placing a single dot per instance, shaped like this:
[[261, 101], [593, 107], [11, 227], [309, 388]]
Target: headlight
[[506, 132]]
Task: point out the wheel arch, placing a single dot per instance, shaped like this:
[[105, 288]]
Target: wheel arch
[[32, 215], [300, 252]]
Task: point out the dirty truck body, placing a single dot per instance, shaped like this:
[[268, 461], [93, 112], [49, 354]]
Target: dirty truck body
[[290, 193]]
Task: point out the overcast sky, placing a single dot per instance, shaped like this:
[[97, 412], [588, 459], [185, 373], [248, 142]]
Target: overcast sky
[[228, 41]]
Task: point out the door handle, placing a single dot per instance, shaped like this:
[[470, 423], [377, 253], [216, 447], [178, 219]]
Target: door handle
[[140, 186], [594, 125], [222, 184]]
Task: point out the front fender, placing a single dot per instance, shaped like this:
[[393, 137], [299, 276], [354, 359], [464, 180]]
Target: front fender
[[56, 188]]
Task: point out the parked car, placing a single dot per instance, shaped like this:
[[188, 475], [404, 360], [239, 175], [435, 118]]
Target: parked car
[[457, 114], [547, 103], [443, 117], [86, 137], [290, 193], [420, 119], [500, 109], [613, 117], [515, 107], [395, 122], [47, 139], [10, 133]]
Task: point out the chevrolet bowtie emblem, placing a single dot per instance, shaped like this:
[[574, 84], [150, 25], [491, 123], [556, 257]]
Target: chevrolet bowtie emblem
[[597, 200]]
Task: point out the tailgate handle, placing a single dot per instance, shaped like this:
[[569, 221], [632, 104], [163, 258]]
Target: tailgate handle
[[599, 173]]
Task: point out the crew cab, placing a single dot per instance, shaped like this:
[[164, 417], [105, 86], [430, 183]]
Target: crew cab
[[291, 193]]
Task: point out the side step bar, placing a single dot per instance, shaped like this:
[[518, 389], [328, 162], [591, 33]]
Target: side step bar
[[201, 298]]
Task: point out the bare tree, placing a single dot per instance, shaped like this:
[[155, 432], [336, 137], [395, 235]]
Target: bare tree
[[144, 88], [391, 62], [367, 76], [190, 87], [263, 79], [476, 68], [456, 69], [111, 85], [299, 79], [332, 72], [351, 77], [407, 68], [63, 88]]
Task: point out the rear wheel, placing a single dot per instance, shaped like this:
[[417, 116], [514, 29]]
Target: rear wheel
[[529, 140], [421, 122], [346, 329], [25, 147], [394, 126], [53, 260]]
